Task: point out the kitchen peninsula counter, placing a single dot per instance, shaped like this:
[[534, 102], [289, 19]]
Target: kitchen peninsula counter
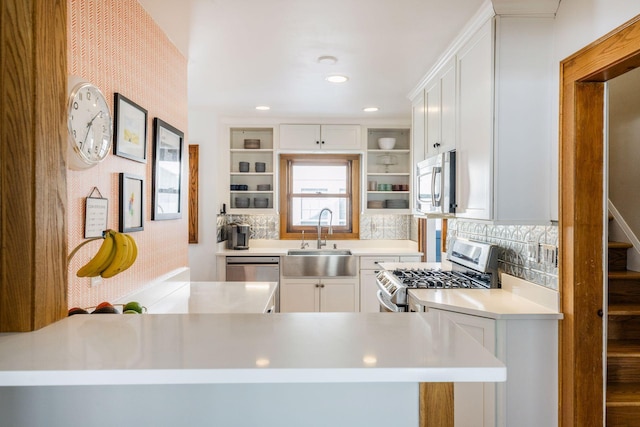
[[245, 348]]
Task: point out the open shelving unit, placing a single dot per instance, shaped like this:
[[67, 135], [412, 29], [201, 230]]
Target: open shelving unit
[[388, 168], [251, 179]]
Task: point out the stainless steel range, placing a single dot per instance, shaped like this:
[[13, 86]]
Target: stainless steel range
[[474, 266]]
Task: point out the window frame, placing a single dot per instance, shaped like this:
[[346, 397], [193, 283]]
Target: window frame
[[287, 230]]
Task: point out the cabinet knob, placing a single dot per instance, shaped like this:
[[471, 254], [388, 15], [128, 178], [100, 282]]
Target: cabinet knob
[[322, 142], [317, 142], [322, 285], [600, 313], [436, 145]]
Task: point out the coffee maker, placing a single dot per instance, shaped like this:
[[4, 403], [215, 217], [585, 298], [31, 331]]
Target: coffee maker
[[238, 236]]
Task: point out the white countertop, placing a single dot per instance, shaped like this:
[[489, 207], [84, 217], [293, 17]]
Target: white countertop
[[245, 348], [517, 299], [357, 247], [205, 297]]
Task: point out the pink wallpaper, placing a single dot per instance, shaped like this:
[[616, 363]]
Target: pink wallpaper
[[117, 46]]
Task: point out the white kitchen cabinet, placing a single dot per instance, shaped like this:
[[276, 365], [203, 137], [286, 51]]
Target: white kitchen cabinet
[[388, 186], [319, 295], [504, 121], [440, 110], [418, 130], [306, 137], [528, 346], [477, 400]]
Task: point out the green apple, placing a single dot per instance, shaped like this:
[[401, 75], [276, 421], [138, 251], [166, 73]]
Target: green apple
[[133, 305]]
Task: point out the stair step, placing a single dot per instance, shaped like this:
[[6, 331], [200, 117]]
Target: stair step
[[617, 255], [625, 394], [623, 404], [624, 310], [623, 369], [623, 327], [619, 245], [623, 348], [624, 275]]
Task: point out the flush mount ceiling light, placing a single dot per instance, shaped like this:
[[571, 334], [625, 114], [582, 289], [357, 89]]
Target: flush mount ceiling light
[[263, 108], [328, 60], [337, 78], [370, 109]]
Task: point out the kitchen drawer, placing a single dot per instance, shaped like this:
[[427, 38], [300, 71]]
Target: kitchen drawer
[[416, 258], [371, 262]]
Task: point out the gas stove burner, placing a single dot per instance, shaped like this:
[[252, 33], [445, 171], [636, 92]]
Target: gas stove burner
[[437, 279]]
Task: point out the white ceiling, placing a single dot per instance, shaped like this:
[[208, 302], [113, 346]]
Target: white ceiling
[[243, 53]]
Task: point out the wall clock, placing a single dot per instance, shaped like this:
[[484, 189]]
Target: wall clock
[[90, 124]]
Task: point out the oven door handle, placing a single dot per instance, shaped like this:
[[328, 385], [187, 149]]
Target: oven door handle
[[382, 289], [384, 303]]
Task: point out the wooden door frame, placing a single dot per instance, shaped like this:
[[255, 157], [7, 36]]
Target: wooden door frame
[[33, 172], [582, 218]]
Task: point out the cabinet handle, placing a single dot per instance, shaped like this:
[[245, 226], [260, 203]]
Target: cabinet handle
[[600, 313], [322, 285], [322, 142], [317, 142], [317, 285], [436, 145]]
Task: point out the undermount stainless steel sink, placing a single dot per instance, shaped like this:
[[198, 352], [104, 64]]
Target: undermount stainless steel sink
[[319, 263]]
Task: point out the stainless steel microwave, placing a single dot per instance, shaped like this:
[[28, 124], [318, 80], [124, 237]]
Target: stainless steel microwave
[[436, 184]]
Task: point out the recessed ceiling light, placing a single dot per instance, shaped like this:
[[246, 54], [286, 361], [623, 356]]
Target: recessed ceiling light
[[370, 109], [337, 78], [263, 107], [329, 60]]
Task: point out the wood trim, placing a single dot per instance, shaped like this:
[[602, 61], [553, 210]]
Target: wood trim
[[33, 196], [194, 161], [285, 185], [582, 218], [436, 405]]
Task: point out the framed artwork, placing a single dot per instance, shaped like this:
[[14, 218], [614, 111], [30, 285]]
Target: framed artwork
[[167, 171], [131, 213], [95, 219], [130, 129]]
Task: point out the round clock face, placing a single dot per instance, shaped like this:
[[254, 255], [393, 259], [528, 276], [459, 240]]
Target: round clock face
[[90, 128]]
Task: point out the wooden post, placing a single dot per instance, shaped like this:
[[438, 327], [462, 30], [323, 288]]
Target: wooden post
[[436, 404], [33, 192]]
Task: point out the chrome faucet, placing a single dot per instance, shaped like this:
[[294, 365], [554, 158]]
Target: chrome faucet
[[320, 244]]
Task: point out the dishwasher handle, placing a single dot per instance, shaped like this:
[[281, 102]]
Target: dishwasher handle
[[231, 260]]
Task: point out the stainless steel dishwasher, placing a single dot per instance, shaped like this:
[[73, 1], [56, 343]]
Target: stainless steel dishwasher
[[255, 269]]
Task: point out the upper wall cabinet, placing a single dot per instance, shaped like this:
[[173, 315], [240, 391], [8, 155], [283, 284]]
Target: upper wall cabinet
[[440, 110], [320, 137], [504, 121]]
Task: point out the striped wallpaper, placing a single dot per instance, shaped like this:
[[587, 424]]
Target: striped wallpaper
[[117, 46]]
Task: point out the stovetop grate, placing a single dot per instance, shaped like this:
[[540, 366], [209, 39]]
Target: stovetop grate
[[438, 279]]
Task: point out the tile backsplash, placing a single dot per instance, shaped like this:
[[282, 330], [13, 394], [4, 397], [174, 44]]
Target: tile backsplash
[[372, 227], [523, 253]]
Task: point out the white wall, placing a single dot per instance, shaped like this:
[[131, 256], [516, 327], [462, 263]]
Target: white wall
[[204, 131], [578, 24]]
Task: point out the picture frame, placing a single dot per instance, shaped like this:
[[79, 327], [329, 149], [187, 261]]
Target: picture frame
[[95, 218], [129, 129], [131, 211], [168, 145]]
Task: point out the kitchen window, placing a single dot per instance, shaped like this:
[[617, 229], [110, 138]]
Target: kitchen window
[[312, 182]]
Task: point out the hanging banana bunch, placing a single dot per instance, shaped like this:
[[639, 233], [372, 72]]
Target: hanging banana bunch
[[116, 254]]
